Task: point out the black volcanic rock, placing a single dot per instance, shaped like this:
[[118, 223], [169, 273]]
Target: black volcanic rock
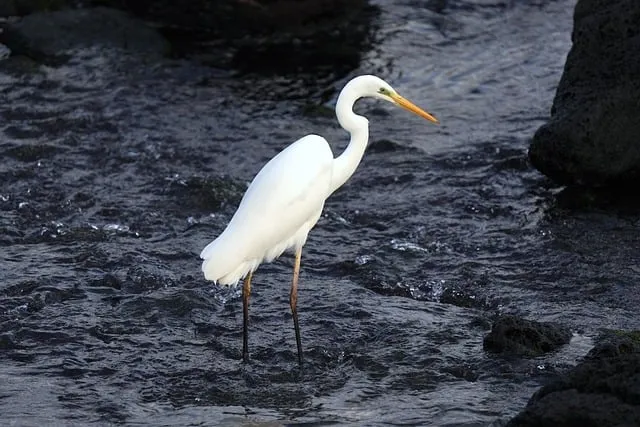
[[511, 335], [46, 35], [239, 18], [593, 136], [267, 36], [602, 391]]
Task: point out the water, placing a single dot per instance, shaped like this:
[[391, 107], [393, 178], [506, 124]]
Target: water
[[116, 174]]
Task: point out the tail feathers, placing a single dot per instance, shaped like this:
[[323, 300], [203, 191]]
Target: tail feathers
[[210, 271], [219, 259], [211, 248]]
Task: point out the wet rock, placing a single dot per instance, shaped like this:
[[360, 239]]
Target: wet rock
[[18, 66], [249, 34], [140, 280], [384, 146], [464, 372], [576, 199], [7, 342], [206, 194], [46, 36], [592, 136], [516, 336], [109, 281], [603, 390], [318, 110]]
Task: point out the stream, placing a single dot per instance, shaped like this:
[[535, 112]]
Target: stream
[[116, 173]]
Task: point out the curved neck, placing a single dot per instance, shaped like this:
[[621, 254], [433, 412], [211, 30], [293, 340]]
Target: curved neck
[[345, 165]]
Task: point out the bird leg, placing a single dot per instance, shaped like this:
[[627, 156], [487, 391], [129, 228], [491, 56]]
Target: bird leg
[[246, 292], [293, 301]]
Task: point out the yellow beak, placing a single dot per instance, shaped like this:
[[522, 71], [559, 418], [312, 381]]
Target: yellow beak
[[408, 105]]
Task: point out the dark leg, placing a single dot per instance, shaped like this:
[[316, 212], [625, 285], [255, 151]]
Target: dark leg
[[246, 292], [293, 301]]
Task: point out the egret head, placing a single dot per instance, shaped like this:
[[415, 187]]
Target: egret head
[[387, 93], [375, 87]]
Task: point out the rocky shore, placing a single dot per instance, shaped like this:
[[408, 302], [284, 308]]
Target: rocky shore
[[593, 136], [603, 390], [592, 142], [245, 35]]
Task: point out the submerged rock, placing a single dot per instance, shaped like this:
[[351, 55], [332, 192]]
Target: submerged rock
[[603, 390], [47, 36], [206, 194], [593, 136], [512, 335]]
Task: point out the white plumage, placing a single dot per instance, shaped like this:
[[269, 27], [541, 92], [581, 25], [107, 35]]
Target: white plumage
[[285, 199], [276, 213]]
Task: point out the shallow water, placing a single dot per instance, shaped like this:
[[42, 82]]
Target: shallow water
[[116, 174]]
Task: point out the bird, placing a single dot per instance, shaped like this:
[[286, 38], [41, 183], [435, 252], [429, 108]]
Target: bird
[[285, 200]]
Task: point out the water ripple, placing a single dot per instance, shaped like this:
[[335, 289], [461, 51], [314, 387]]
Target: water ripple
[[115, 177]]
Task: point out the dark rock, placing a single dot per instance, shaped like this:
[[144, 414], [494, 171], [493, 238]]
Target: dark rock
[[25, 7], [19, 66], [318, 110], [238, 18], [512, 335], [611, 200], [593, 136], [46, 35], [383, 146], [248, 35], [7, 342], [206, 194], [602, 391], [8, 8], [110, 281]]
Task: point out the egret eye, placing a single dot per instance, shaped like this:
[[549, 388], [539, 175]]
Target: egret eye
[[384, 91]]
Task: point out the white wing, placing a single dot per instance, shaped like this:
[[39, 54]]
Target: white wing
[[282, 203]]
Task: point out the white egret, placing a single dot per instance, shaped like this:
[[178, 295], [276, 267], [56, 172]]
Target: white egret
[[285, 199]]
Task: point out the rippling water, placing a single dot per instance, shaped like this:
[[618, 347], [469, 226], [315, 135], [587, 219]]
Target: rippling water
[[115, 175]]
